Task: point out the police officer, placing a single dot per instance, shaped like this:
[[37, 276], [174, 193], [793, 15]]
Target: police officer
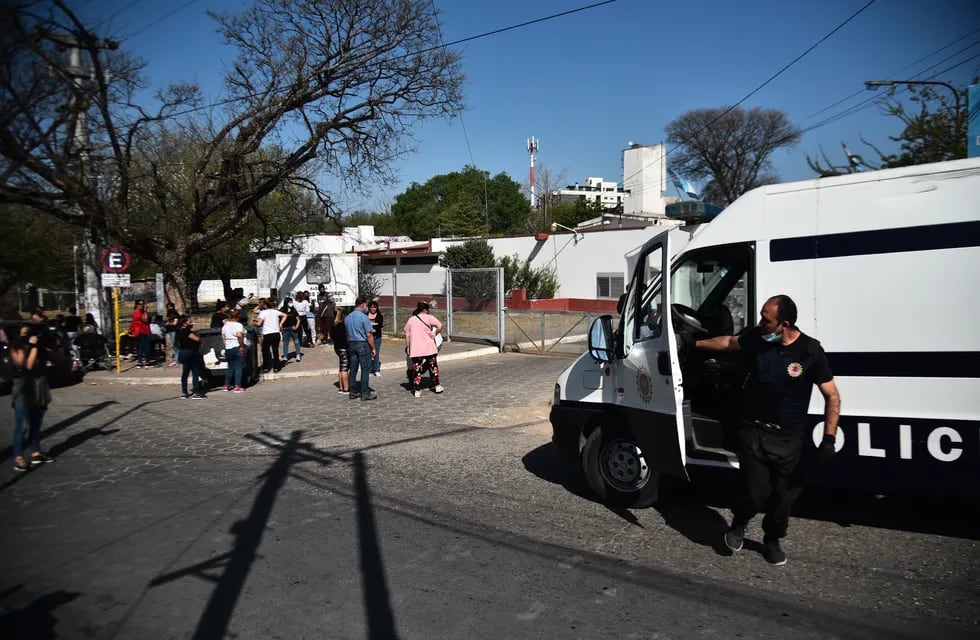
[[784, 364]]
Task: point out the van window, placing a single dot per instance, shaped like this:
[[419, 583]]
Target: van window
[[641, 317], [715, 282]]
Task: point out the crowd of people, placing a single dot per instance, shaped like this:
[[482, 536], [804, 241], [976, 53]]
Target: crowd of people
[[283, 331]]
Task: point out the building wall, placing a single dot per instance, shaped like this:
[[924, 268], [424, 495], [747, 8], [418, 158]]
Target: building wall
[[645, 178]]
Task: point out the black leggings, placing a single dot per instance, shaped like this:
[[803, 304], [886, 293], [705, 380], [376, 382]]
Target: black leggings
[[270, 351]]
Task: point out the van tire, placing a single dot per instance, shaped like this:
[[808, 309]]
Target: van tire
[[615, 470]]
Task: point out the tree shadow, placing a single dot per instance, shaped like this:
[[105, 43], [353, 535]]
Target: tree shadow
[[35, 621], [545, 462]]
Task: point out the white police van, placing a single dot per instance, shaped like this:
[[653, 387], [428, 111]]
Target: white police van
[[884, 267]]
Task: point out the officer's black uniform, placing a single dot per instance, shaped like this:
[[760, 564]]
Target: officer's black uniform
[[777, 395]]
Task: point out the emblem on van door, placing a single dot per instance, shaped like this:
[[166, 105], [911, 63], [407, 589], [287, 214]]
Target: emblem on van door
[[795, 369], [643, 384]]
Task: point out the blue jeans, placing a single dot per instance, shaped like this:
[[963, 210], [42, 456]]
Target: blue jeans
[[360, 356], [376, 362], [143, 348], [27, 421], [192, 361], [236, 362], [294, 335]]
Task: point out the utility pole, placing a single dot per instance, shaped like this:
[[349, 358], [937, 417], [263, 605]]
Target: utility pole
[[91, 237]]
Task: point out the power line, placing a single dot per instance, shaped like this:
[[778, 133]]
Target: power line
[[903, 69], [758, 88], [161, 19], [864, 104]]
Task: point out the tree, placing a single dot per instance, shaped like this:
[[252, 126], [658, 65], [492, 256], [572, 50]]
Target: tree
[[318, 89], [731, 147], [539, 283], [477, 287], [933, 131], [461, 203], [38, 250]]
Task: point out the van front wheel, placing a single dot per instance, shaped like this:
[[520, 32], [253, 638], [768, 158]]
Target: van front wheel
[[616, 469]]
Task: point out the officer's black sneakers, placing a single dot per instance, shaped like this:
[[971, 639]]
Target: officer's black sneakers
[[735, 537], [774, 553]]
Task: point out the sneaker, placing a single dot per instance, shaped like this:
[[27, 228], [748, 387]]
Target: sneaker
[[418, 394], [355, 396], [376, 374], [173, 363], [20, 464], [344, 392], [370, 396], [774, 553], [238, 390], [226, 388], [197, 396], [39, 458], [299, 357], [438, 388], [734, 538], [139, 365]]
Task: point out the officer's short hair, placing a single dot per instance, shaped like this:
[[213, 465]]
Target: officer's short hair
[[785, 309], [360, 300]]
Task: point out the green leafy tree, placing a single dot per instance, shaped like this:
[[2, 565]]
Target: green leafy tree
[[539, 283], [476, 287], [315, 89], [37, 251], [462, 203], [730, 147], [570, 214]]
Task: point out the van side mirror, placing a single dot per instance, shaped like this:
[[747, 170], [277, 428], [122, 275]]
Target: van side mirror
[[621, 304], [601, 346]]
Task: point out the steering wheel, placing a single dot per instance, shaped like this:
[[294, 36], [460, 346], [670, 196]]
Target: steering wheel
[[685, 319]]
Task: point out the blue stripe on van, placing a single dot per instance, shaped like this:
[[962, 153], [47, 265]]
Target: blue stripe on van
[[917, 364], [953, 235]]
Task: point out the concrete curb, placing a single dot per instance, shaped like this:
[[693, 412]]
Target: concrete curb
[[302, 373]]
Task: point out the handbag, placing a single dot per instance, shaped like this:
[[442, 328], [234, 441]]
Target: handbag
[[437, 337]]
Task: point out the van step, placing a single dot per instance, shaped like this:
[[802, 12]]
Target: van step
[[709, 453]]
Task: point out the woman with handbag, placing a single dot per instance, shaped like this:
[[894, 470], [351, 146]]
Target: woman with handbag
[[422, 340]]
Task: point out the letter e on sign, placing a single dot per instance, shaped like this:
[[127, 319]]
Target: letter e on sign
[[115, 260]]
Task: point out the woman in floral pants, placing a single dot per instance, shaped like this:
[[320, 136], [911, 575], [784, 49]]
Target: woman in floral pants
[[420, 345]]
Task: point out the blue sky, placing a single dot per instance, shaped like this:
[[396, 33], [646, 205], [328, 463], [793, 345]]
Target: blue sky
[[588, 83]]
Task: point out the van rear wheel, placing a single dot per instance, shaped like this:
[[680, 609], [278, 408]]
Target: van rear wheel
[[616, 469]]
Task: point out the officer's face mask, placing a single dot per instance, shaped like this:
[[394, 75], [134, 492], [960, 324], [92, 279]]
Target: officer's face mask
[[772, 337]]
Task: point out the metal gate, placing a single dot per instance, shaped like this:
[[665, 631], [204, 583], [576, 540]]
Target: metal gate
[[475, 304]]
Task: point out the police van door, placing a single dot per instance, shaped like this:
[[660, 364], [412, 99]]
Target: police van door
[[649, 384]]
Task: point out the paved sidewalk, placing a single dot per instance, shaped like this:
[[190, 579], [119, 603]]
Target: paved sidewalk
[[317, 361]]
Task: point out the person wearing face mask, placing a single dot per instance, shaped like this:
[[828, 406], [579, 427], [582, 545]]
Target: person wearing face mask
[[784, 364]]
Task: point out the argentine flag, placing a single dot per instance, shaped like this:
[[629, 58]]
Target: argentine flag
[[683, 185]]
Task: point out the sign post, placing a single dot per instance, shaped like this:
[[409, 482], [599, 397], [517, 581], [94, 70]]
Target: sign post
[[115, 262], [115, 313]]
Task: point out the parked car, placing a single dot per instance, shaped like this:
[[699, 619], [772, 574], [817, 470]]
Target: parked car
[[63, 367], [213, 349]]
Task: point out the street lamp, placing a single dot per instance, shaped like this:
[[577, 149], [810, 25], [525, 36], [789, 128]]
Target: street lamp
[[577, 235], [873, 85]]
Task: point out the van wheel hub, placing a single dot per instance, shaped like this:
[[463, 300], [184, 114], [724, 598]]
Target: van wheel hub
[[623, 465]]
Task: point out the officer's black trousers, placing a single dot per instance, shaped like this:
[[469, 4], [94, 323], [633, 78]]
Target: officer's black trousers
[[771, 478]]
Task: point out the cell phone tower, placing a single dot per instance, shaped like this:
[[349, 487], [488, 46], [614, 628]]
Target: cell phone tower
[[532, 148]]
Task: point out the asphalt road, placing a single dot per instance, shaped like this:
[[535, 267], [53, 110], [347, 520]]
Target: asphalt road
[[290, 511]]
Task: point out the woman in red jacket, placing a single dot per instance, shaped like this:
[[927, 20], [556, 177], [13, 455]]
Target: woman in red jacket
[[139, 328]]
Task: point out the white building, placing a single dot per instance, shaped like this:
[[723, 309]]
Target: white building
[[645, 179], [606, 194]]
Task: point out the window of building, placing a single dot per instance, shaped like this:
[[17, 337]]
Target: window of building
[[609, 285]]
